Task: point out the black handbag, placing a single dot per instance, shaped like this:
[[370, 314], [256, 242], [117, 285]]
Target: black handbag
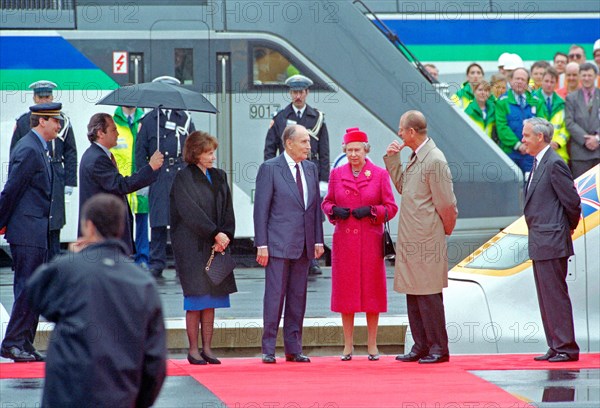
[[389, 250], [219, 266]]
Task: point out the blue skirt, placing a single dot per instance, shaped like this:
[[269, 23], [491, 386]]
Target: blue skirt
[[205, 302]]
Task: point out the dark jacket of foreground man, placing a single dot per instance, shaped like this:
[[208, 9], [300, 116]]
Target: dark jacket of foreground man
[[108, 347]]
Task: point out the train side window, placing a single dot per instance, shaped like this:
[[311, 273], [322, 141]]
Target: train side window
[[270, 67], [184, 65], [506, 253]]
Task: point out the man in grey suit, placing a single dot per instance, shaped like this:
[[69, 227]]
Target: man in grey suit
[[583, 121], [288, 234], [552, 211]]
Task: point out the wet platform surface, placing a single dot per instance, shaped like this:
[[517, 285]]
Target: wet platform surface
[[549, 388], [176, 392], [247, 302]]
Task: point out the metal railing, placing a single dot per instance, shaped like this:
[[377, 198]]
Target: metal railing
[[38, 14], [37, 4]]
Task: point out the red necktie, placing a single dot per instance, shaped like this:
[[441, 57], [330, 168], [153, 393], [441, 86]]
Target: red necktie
[[112, 158]]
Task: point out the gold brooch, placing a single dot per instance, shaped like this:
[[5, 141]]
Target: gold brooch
[[368, 173]]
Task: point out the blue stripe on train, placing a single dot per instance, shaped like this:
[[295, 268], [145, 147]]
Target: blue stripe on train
[[471, 32], [41, 53]]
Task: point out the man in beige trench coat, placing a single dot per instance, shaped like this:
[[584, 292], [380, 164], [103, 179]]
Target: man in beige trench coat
[[427, 215]]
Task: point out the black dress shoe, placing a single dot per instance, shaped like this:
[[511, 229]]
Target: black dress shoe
[[268, 358], [435, 358], [297, 358], [562, 357], [38, 356], [315, 270], [195, 361], [410, 357], [209, 360], [17, 355], [550, 353]]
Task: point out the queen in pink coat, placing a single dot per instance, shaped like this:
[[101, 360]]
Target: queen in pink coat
[[357, 200]]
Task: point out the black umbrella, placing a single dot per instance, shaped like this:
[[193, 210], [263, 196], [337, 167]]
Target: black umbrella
[[158, 95]]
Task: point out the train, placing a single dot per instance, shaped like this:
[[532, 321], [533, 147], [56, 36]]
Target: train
[[237, 53]]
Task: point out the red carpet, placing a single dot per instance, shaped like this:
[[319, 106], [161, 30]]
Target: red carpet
[[330, 383]]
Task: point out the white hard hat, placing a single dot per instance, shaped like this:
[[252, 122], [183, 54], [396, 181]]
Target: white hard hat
[[503, 58], [596, 46], [514, 62]]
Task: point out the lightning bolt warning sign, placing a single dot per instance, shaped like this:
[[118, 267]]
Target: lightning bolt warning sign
[[120, 65]]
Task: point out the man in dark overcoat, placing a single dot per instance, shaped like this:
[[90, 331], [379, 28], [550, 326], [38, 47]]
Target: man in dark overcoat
[[174, 126]]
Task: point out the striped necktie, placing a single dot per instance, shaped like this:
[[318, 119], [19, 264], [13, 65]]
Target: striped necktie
[[112, 158]]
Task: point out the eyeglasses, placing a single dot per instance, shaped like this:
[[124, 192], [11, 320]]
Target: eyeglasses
[[575, 56]]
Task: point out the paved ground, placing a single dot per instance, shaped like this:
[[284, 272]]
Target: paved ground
[[247, 302]]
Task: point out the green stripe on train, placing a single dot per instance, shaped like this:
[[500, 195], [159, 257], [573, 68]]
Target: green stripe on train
[[88, 80], [487, 52]]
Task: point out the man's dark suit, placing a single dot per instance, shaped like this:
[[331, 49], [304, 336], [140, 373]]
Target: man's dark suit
[[24, 211], [98, 174], [290, 232], [552, 210], [63, 161], [582, 119]]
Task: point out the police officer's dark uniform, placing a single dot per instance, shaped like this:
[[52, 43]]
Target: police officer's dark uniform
[[314, 121], [175, 125], [25, 208], [63, 159]]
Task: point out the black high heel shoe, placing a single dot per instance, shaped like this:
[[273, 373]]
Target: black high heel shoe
[[195, 361], [210, 360]]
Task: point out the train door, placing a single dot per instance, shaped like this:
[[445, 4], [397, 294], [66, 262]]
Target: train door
[[256, 87]]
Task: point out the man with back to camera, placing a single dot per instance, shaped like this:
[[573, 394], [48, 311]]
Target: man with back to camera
[[108, 347], [25, 208], [98, 172], [63, 159], [427, 215], [288, 234], [299, 112], [552, 211]]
